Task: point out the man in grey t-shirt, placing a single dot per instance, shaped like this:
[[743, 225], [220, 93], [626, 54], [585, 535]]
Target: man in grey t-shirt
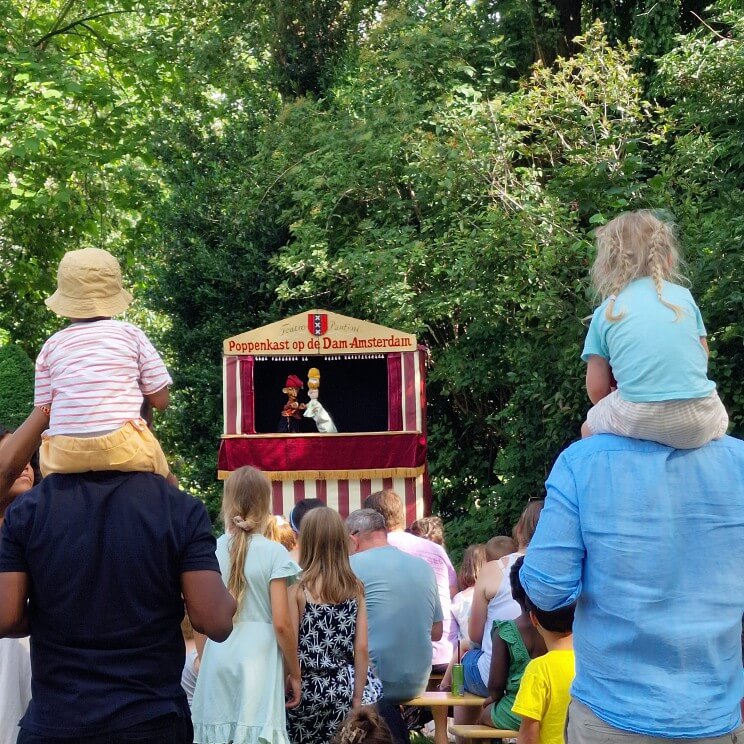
[[403, 608]]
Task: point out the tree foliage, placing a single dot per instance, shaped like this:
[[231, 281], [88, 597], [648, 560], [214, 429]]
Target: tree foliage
[[16, 385], [433, 166], [78, 82]]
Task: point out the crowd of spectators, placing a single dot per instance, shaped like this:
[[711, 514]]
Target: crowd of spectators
[[333, 644]]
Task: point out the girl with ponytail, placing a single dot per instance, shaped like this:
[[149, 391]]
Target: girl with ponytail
[[240, 691], [646, 349]]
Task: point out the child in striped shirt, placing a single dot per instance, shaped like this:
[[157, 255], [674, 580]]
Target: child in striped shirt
[[93, 376]]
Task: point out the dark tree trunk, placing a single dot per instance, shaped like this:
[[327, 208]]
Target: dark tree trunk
[[569, 16]]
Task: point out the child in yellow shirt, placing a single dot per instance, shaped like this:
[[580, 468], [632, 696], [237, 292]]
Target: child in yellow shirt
[[543, 697]]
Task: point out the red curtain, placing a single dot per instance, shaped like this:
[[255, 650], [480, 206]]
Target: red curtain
[[246, 394], [395, 393], [324, 452]]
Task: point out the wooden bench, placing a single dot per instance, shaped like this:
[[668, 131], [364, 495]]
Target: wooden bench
[[471, 733], [439, 702]]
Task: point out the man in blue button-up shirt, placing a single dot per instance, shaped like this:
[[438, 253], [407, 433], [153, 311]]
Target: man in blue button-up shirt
[[650, 540]]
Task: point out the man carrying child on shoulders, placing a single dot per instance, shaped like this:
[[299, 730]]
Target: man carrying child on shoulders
[[649, 541]]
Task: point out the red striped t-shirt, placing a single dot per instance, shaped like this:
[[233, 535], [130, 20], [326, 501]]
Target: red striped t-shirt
[[94, 376]]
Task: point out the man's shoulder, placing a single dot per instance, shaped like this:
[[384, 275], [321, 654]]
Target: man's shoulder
[[382, 559], [599, 444], [373, 557], [415, 568], [23, 507], [603, 468], [80, 491]]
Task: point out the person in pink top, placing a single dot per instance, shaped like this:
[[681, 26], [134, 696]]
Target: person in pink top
[[96, 377], [390, 505]]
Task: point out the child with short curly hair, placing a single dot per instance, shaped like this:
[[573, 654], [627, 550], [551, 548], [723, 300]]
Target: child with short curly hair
[[363, 725]]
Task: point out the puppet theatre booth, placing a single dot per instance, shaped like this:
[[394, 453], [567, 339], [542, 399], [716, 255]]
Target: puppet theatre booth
[[329, 407]]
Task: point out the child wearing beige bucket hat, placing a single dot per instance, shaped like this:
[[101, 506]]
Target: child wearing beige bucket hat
[[92, 376]]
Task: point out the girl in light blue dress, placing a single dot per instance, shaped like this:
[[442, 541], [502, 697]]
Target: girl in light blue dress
[[240, 691]]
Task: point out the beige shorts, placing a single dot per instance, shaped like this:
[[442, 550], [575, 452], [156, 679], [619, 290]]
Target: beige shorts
[[682, 424], [130, 448], [584, 727]]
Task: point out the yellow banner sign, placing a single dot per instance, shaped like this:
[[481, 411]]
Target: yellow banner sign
[[318, 332]]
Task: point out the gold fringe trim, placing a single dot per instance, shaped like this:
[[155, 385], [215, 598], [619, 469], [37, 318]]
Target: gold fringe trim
[[302, 475]]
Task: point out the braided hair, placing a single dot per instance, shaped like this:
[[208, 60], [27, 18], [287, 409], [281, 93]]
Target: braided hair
[[635, 245]]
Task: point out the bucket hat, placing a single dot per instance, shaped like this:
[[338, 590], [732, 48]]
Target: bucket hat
[[88, 285]]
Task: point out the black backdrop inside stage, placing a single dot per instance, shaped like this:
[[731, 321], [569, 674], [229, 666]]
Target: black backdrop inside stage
[[354, 391]]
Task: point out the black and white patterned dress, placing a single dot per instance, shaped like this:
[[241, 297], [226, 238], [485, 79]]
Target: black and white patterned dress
[[326, 651]]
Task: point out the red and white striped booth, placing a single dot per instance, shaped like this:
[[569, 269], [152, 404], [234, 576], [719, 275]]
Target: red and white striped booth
[[372, 383]]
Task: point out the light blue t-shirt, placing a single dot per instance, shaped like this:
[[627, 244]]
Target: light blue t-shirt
[[653, 357], [402, 605], [651, 541]]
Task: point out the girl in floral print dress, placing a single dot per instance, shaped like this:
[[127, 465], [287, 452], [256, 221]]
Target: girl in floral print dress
[[328, 611]]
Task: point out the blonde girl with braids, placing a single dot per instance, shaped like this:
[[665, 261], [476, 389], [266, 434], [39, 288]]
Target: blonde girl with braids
[[646, 348], [240, 691], [330, 618]]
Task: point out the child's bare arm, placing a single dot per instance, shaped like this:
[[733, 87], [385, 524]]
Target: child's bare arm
[[529, 731], [485, 587], [200, 641], [286, 638], [361, 653], [499, 670], [17, 451], [598, 378], [209, 605], [159, 399]]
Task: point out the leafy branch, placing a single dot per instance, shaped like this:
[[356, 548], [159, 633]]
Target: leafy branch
[[58, 30]]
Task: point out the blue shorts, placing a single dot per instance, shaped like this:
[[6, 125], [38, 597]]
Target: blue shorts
[[473, 680]]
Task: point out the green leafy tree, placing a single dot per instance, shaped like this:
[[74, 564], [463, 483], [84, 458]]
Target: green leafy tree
[[433, 166], [77, 87], [703, 176], [16, 385]]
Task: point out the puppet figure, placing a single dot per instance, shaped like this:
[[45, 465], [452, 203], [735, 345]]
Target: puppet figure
[[290, 421], [315, 409]]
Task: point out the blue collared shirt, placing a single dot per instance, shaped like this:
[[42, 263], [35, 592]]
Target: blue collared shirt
[[651, 542]]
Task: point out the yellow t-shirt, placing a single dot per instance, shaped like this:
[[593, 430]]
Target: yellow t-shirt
[[544, 693]]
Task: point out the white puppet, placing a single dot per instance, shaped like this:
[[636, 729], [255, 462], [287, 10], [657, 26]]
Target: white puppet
[[314, 409]]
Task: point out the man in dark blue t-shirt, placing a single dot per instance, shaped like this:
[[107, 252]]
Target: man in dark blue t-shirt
[[97, 568]]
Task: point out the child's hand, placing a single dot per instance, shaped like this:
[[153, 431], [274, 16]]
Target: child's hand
[[292, 690]]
